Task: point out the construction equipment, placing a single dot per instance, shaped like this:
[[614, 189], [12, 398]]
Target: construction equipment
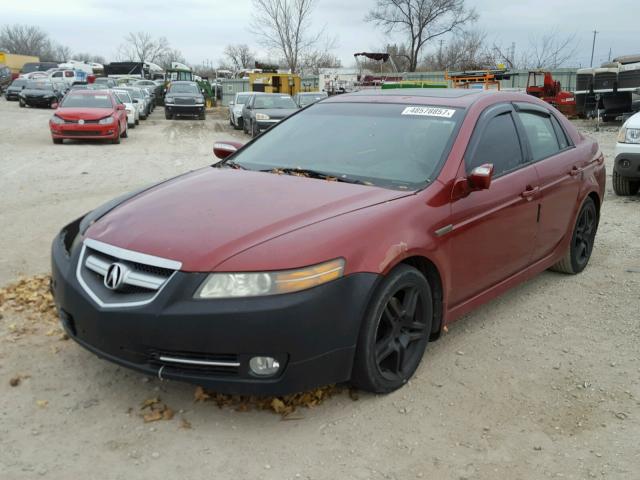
[[16, 62], [268, 82], [541, 84], [481, 79]]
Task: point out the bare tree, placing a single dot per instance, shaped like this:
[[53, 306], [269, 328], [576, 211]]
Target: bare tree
[[142, 47], [24, 40], [87, 57], [312, 62], [169, 56], [285, 27], [550, 50], [420, 20], [239, 57], [60, 53], [466, 51]]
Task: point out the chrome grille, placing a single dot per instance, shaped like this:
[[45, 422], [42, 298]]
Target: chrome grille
[[140, 279]]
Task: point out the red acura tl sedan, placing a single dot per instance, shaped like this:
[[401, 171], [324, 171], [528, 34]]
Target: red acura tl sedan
[[89, 115], [336, 245]]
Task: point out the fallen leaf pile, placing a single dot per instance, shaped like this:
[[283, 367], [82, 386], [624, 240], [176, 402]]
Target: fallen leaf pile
[[30, 294], [284, 405], [153, 410]]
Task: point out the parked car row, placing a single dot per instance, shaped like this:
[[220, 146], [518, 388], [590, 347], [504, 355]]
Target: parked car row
[[254, 112]]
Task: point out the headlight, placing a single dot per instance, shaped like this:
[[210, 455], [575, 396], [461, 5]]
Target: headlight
[[57, 120], [106, 121], [629, 135], [230, 285], [169, 100], [262, 116], [200, 100]]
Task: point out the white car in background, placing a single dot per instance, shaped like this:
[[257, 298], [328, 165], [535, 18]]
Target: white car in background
[[626, 164], [141, 101], [235, 108], [133, 113]]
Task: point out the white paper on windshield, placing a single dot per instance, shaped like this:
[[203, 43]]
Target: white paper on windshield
[[429, 111], [100, 97]]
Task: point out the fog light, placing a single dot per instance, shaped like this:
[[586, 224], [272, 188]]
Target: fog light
[[264, 366], [625, 163]]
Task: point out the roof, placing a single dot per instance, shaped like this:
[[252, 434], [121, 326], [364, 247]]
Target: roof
[[455, 97]]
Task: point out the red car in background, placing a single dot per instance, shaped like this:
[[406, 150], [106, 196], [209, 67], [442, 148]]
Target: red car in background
[[336, 245], [89, 115]]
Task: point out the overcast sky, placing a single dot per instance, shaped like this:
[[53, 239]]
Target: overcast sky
[[201, 28]]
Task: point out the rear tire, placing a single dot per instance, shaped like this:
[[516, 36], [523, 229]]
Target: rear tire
[[395, 332], [584, 233], [623, 186]]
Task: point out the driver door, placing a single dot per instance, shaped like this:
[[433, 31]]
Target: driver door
[[494, 230]]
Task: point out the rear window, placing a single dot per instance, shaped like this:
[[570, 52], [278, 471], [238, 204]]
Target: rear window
[[95, 100]]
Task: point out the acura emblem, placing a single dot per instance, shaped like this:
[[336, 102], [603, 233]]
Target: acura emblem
[[114, 278]]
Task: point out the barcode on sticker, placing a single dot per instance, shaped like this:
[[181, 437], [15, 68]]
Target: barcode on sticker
[[429, 111]]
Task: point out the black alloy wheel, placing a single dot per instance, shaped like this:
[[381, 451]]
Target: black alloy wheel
[[584, 233], [395, 333]]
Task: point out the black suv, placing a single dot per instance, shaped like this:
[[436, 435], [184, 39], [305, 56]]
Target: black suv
[[184, 98]]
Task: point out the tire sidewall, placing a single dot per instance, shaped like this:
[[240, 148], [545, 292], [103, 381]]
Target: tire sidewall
[[365, 365], [588, 203]]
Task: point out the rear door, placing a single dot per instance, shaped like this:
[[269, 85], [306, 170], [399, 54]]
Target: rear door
[[493, 231], [558, 166]]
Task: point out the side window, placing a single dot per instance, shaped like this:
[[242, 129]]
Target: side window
[[560, 133], [541, 134], [499, 145], [57, 75]]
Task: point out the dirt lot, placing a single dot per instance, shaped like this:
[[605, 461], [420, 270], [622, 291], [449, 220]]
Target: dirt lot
[[542, 383]]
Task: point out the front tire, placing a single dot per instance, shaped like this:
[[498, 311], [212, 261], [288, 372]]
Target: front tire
[[623, 186], [395, 332], [168, 116], [22, 104], [255, 131], [117, 139], [584, 233], [57, 141], [202, 115]]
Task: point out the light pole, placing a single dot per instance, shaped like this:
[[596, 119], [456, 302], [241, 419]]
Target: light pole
[[593, 46]]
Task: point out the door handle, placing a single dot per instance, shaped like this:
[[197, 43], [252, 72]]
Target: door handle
[[530, 192], [575, 171]]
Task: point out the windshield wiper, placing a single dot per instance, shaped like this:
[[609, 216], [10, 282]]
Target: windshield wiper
[[305, 172], [231, 164]]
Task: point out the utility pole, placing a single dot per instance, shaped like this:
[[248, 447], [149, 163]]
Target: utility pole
[[593, 46], [609, 54]]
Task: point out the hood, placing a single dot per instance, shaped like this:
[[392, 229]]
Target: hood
[[83, 113], [277, 113], [38, 93], [207, 216]]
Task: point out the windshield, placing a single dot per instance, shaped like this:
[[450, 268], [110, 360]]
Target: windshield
[[34, 85], [183, 88], [83, 100], [274, 101], [390, 145], [309, 99], [19, 83], [135, 93], [124, 96], [242, 99]]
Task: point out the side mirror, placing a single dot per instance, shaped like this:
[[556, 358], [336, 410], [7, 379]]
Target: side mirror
[[135, 100], [480, 177], [231, 104], [54, 105], [223, 149], [120, 107]]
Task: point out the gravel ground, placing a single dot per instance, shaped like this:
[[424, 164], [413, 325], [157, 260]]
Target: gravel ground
[[544, 382]]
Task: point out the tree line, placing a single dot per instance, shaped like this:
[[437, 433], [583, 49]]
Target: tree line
[[426, 34]]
